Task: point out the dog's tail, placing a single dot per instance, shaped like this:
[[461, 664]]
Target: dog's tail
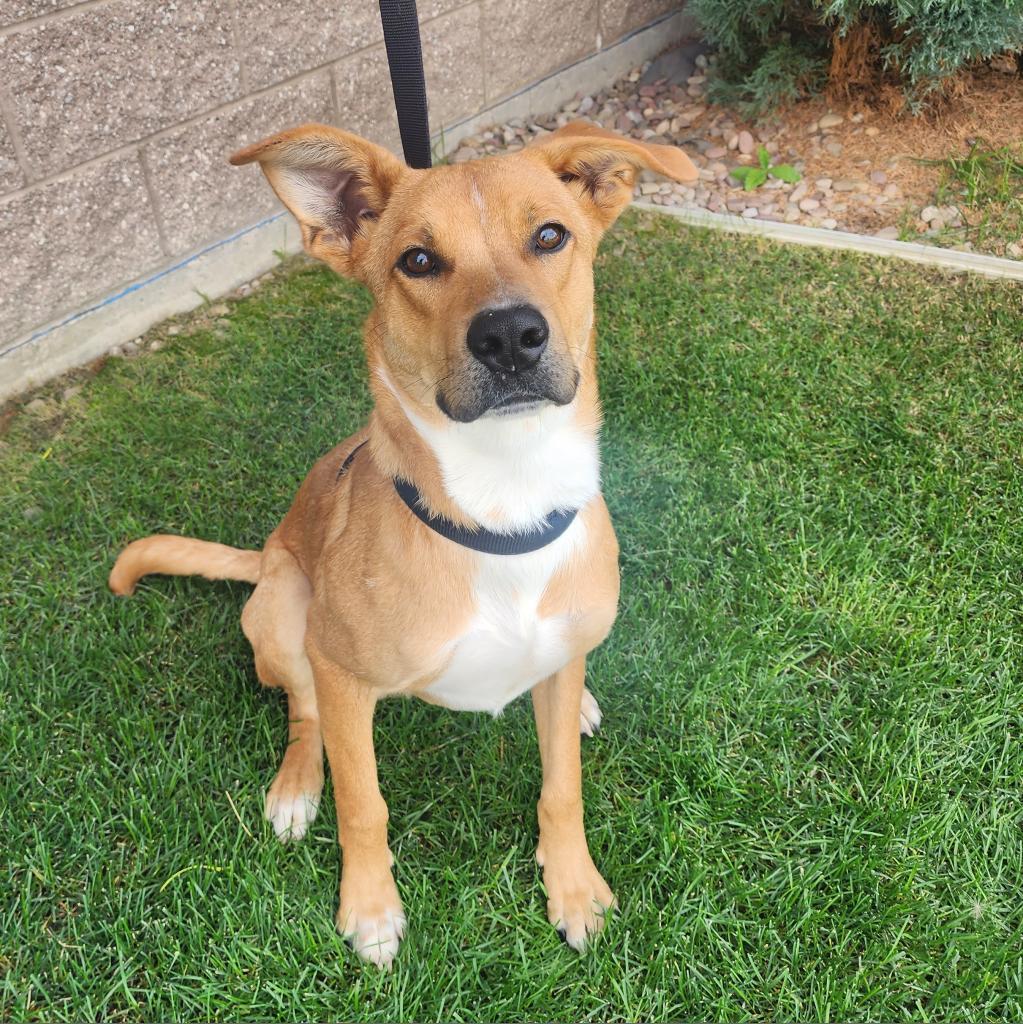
[[181, 556]]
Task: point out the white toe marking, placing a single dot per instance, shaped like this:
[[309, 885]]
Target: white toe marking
[[292, 816], [376, 939], [589, 714]]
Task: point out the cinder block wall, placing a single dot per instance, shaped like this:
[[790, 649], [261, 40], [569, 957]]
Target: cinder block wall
[[116, 116]]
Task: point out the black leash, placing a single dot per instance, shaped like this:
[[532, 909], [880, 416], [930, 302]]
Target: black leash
[[405, 60]]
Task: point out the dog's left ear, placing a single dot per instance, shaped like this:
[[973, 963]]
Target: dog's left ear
[[603, 165], [332, 181]]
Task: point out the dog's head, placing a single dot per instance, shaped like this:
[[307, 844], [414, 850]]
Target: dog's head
[[482, 271]]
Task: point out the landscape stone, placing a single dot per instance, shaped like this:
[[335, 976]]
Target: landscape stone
[[44, 408]]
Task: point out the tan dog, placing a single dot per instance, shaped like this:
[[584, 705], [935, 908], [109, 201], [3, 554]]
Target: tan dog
[[383, 578]]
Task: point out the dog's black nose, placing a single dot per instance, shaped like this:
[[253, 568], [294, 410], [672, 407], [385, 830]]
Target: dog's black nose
[[508, 340]]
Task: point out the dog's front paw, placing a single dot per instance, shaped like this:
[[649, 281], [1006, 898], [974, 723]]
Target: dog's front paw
[[371, 917], [292, 802], [577, 898], [589, 714]]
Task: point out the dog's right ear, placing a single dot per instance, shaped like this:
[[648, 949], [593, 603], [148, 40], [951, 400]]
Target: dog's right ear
[[332, 181]]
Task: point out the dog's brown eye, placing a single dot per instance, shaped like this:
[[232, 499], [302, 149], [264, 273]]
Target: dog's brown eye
[[418, 262], [550, 237]]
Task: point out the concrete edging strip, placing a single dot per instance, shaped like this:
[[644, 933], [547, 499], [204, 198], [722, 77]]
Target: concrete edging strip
[[798, 234]]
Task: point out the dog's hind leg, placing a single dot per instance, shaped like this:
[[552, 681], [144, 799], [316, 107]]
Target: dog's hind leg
[[274, 620]]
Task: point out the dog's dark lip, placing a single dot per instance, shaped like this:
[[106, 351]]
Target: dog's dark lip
[[523, 400], [517, 402]]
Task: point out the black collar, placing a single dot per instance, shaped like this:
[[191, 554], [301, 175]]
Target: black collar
[[482, 539]]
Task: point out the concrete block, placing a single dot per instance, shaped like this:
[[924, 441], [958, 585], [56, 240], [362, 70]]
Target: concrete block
[[11, 176], [107, 75], [435, 8], [73, 239], [198, 195], [281, 38], [452, 61], [524, 40], [620, 17], [365, 103]]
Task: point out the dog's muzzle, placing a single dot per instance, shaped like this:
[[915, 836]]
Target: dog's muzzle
[[512, 368]]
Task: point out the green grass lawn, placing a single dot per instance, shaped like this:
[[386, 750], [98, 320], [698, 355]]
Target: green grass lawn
[[807, 790]]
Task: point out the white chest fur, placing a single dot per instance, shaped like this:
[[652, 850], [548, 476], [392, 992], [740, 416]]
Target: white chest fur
[[508, 647]]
